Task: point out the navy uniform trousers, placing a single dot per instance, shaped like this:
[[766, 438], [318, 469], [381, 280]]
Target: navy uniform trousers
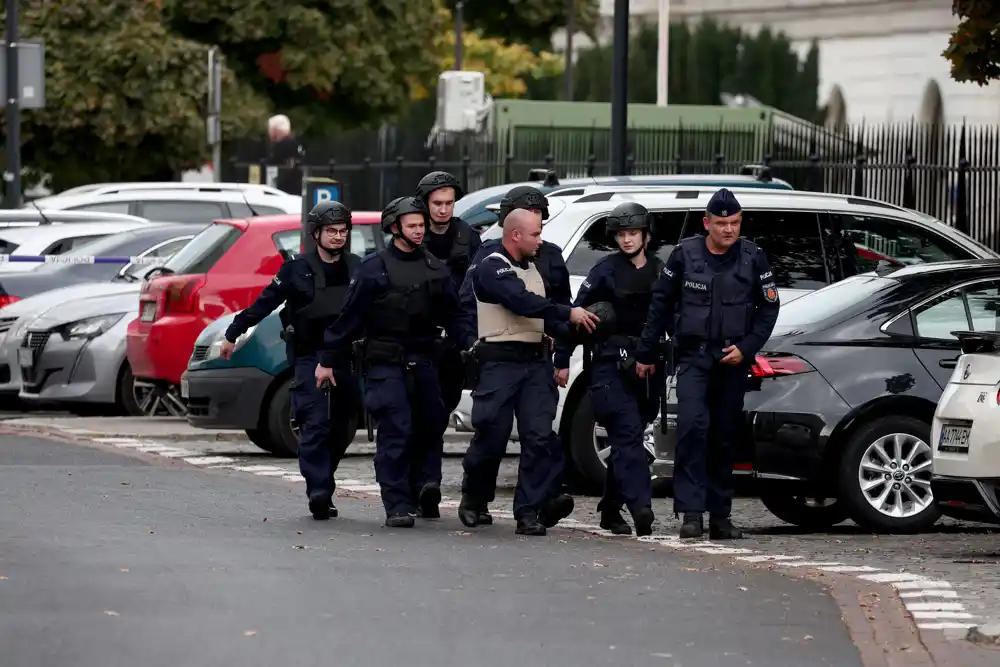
[[324, 434], [406, 403], [624, 414], [528, 391], [709, 424]]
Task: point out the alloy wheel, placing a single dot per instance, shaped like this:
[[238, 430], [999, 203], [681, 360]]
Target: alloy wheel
[[603, 449], [895, 475], [155, 401]]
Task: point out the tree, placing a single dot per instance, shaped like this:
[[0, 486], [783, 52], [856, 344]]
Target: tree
[[528, 22], [322, 62], [974, 46], [125, 99]]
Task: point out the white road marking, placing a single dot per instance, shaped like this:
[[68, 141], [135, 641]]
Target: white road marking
[[767, 558], [850, 568], [917, 585], [919, 615], [945, 626], [889, 577], [209, 460], [935, 606], [927, 594]]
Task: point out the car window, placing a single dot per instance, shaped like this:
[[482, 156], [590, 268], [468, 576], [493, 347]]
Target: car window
[[162, 251], [597, 243], [484, 218], [202, 252], [8, 247], [901, 243], [241, 210], [973, 308], [104, 207], [832, 300], [362, 240], [791, 240], [65, 245], [182, 211]]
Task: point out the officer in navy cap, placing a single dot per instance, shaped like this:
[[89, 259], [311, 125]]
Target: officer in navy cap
[[716, 297]]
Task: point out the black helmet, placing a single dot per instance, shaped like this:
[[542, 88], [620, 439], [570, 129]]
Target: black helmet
[[437, 180], [327, 213], [605, 311], [630, 215], [523, 196], [399, 207]]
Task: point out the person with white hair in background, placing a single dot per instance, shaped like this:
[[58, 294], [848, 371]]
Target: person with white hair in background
[[285, 151]]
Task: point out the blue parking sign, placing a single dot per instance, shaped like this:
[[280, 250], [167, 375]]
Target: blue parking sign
[[326, 192]]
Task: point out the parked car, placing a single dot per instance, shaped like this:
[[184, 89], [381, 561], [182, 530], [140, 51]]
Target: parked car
[[222, 270], [53, 240], [25, 217], [74, 354], [966, 429], [203, 204], [150, 241], [842, 397], [811, 240], [475, 208], [105, 189]]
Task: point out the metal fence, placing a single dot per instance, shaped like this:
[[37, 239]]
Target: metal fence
[[951, 173]]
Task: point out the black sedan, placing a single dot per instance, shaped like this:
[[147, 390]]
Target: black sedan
[[156, 240], [841, 399]]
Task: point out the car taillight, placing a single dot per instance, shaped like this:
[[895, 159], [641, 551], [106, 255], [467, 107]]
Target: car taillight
[[998, 396], [180, 295], [768, 366], [6, 300]]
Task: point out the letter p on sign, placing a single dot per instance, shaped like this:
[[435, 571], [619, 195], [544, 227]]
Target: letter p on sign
[[325, 193]]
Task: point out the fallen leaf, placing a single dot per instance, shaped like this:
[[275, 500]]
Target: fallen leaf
[[808, 638], [111, 613], [124, 569], [298, 546], [3, 578], [249, 633], [744, 588], [265, 519]]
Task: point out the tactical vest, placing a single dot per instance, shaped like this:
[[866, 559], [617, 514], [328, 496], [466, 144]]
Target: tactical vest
[[458, 259], [729, 291], [633, 292], [311, 320], [406, 309], [499, 325]]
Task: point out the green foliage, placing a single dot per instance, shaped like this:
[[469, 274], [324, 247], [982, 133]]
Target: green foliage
[[528, 22], [321, 62], [125, 99], [974, 46]]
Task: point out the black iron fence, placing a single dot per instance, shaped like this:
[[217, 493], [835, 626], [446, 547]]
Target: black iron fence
[[951, 173]]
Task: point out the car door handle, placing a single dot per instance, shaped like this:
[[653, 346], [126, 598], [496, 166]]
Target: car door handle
[[948, 363]]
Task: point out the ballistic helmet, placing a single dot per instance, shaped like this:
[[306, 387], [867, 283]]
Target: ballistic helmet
[[327, 213], [399, 207], [630, 215], [437, 180], [605, 311], [523, 196]]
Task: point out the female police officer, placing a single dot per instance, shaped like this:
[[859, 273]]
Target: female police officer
[[623, 403]]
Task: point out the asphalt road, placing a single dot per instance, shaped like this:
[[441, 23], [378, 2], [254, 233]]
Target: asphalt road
[[109, 559]]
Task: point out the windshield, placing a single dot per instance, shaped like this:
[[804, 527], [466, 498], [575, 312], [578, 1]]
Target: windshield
[[204, 250], [474, 199], [832, 300]]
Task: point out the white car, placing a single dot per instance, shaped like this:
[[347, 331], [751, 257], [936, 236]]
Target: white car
[[21, 217], [966, 432], [205, 203], [55, 239], [812, 239]]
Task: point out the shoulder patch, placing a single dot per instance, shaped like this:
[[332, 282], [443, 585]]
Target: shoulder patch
[[767, 274], [770, 292]]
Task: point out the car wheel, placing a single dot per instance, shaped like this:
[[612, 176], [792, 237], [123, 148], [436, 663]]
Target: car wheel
[[261, 438], [279, 422], [885, 476], [808, 513], [129, 395]]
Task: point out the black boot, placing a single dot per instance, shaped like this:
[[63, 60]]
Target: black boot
[[333, 509], [468, 512], [399, 520], [643, 519], [721, 528], [428, 500], [528, 524], [693, 526], [320, 505], [484, 518], [556, 510], [614, 521]]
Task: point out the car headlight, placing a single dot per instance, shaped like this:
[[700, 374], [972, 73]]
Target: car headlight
[[91, 327], [215, 349]]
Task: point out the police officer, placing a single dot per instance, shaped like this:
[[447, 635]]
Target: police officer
[[516, 378], [623, 403], [550, 264], [400, 298], [313, 286], [717, 299]]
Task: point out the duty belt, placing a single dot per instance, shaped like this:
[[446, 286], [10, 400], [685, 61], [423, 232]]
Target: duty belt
[[512, 352], [390, 352], [617, 342]]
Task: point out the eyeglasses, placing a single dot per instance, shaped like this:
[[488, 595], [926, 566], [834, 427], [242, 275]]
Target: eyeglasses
[[333, 231]]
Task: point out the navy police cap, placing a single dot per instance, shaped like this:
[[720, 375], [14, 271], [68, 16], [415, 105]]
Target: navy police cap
[[723, 204]]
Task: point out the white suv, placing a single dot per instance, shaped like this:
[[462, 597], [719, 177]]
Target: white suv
[[812, 239]]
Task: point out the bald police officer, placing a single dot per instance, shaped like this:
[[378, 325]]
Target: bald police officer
[[721, 291], [313, 288]]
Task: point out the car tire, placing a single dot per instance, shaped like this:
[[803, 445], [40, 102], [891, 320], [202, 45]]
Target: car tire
[[279, 428], [261, 438], [591, 471], [126, 392], [849, 476], [794, 510]]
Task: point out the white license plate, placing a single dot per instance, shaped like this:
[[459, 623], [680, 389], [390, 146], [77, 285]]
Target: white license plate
[[954, 439], [25, 357], [185, 388], [148, 313]]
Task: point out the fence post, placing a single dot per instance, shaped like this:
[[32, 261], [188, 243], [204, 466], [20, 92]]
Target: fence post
[[720, 157], [909, 192], [399, 173], [591, 165], [366, 178], [466, 159], [814, 173], [678, 163], [431, 161], [961, 196], [859, 164]]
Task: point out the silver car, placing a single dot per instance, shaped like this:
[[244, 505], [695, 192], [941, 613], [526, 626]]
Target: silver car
[[75, 353]]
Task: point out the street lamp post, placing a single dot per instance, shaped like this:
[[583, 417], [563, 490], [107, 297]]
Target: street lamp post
[[619, 89]]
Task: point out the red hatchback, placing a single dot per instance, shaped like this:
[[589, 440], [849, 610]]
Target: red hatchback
[[221, 270]]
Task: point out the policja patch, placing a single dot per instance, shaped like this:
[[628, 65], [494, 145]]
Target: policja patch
[[770, 293]]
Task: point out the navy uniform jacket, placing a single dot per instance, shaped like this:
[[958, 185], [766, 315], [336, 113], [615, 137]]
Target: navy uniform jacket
[[667, 292], [494, 282], [293, 285], [371, 281]]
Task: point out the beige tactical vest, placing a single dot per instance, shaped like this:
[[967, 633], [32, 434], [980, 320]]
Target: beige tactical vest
[[499, 325]]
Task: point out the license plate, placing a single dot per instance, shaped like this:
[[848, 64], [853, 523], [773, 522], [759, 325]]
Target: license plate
[[185, 388], [148, 313], [25, 357], [954, 439]]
